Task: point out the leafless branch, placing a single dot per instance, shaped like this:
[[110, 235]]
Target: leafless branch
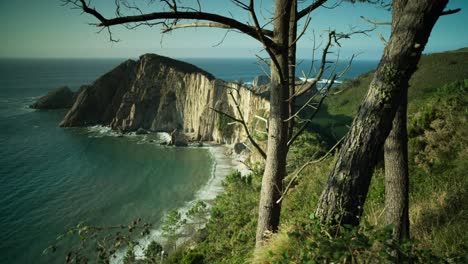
[[297, 172], [308, 85], [242, 121], [304, 126], [263, 39], [175, 16], [450, 11], [316, 4], [376, 22], [208, 25]]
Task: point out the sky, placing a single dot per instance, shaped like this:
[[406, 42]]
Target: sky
[[47, 29]]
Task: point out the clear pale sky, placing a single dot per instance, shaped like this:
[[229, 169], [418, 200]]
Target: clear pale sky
[[46, 29]]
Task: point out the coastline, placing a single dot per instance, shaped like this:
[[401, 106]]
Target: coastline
[[223, 165]]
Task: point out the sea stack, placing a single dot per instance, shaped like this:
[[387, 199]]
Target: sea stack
[[61, 97]]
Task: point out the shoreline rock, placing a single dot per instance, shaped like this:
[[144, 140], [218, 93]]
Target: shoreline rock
[[59, 98]]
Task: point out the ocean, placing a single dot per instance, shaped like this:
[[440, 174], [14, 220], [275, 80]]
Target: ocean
[[52, 178]]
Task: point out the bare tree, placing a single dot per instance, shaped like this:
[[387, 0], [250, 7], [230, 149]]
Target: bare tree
[[343, 198], [279, 43]]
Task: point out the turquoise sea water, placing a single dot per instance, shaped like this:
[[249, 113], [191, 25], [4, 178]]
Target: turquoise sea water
[[52, 178]]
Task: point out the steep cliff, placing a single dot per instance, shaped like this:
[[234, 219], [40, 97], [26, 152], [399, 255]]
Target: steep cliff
[[161, 94]]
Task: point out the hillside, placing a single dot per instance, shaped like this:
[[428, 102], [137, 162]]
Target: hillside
[[434, 70], [438, 208], [438, 147]]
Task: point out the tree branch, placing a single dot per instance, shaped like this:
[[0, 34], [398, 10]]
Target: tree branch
[[191, 15], [310, 8], [242, 121], [296, 174], [266, 32], [306, 86], [450, 12], [376, 22]]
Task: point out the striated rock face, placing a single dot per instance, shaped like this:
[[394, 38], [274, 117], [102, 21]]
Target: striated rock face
[[157, 93], [61, 97]]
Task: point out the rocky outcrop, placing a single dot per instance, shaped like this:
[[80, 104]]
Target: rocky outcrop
[[61, 97], [157, 93]]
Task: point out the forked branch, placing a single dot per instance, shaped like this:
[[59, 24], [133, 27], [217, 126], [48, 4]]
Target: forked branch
[[242, 121]]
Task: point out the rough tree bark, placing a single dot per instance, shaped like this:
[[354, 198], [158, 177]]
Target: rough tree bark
[[396, 159], [292, 64], [275, 165], [343, 199], [396, 175]]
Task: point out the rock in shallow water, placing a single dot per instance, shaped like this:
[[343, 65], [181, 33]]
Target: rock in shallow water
[[141, 131], [61, 97]]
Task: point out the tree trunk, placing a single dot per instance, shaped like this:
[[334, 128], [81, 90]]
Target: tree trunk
[[343, 199], [396, 174], [292, 65], [396, 161], [275, 165]]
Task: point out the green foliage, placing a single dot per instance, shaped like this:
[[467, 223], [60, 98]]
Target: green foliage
[[172, 225], [363, 244], [228, 236], [153, 253], [308, 146], [438, 131], [434, 71], [438, 210], [198, 212]]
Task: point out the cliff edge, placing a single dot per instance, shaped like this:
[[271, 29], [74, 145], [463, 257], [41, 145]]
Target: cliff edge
[[157, 93]]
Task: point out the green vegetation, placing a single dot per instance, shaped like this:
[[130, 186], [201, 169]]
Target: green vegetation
[[434, 71], [438, 210], [438, 138]]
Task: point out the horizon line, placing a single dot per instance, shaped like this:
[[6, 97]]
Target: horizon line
[[136, 58]]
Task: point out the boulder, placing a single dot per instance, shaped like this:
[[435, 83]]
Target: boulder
[[239, 147], [141, 131], [61, 97], [178, 139]]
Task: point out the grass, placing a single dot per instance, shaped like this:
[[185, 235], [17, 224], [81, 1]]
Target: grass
[[438, 191], [434, 70], [438, 139]]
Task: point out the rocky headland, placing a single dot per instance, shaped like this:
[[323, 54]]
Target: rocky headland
[[161, 94]]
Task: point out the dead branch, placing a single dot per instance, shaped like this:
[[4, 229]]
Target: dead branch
[[297, 172], [450, 12], [263, 39], [316, 4], [308, 85], [266, 32], [242, 121], [376, 22], [174, 15], [299, 132]]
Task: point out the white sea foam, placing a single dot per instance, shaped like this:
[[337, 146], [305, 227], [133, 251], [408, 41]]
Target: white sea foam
[[321, 81], [99, 131], [222, 167]]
